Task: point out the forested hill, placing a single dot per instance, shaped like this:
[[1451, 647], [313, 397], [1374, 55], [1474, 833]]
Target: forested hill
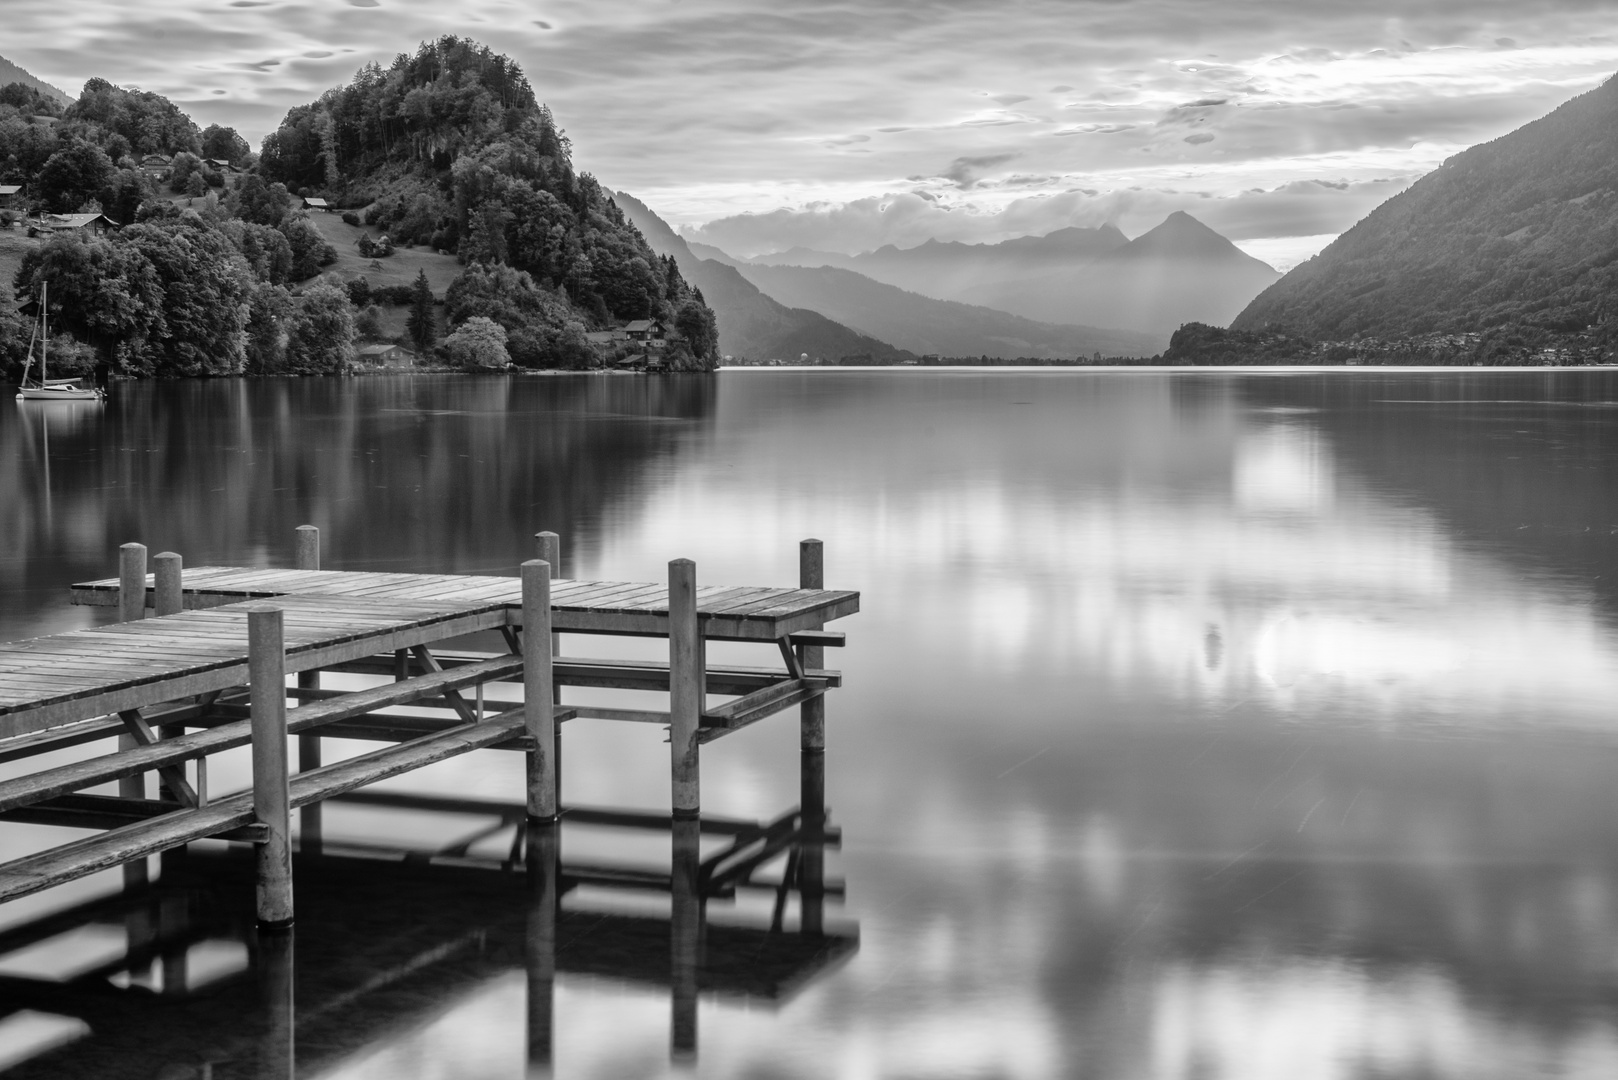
[[449, 147], [11, 73], [1515, 238]]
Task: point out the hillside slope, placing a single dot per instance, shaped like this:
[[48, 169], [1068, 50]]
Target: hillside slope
[[752, 324], [925, 325], [10, 73], [1521, 231]]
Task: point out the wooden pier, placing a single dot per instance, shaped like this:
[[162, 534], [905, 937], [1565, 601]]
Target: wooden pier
[[208, 672]]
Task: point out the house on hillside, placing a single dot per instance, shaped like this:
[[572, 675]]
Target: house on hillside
[[222, 165], [310, 203], [385, 355], [59, 224], [10, 196], [643, 329], [156, 165]]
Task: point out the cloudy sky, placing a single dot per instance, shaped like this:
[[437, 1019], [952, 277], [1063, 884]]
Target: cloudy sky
[[845, 126]]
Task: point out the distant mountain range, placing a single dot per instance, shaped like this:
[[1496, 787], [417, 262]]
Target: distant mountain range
[[1516, 236], [1181, 271], [750, 323], [922, 324], [10, 73]]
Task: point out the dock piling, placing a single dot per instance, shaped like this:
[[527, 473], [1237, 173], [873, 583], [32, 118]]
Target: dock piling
[[166, 581], [549, 546], [131, 582], [271, 795], [685, 938], [539, 709], [685, 688], [812, 575], [309, 757]]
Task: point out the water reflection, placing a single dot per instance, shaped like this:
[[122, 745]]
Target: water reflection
[[171, 979], [1195, 725]]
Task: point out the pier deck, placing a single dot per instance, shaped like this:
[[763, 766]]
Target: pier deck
[[210, 673]]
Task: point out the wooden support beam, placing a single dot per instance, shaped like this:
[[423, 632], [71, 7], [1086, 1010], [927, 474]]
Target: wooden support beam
[[735, 715], [82, 774], [109, 812], [173, 775], [271, 786], [33, 873], [424, 657], [685, 689], [539, 706], [614, 674]]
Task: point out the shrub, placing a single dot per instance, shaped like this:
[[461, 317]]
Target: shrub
[[478, 343], [350, 218]]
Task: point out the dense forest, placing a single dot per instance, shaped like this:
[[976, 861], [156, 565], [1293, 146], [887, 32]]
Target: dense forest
[[208, 264], [1509, 248]]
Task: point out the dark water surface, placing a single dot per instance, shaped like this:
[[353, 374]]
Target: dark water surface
[[1200, 725]]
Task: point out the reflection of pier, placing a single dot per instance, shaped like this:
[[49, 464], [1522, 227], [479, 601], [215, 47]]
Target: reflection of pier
[[386, 939]]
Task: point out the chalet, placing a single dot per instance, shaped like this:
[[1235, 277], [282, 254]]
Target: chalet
[[59, 224], [643, 329], [156, 165], [634, 362], [222, 165], [9, 193], [385, 355], [310, 203]]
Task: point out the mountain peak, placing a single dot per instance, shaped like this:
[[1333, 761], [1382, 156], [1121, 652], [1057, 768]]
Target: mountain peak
[[1181, 236]]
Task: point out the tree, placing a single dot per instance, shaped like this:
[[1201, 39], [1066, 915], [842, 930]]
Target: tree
[[102, 291], [695, 322], [478, 343], [206, 288], [253, 199], [368, 323], [181, 169], [73, 176], [420, 323], [223, 144], [320, 340], [310, 250], [269, 316]]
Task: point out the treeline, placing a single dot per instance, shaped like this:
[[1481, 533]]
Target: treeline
[[1501, 346], [449, 148]]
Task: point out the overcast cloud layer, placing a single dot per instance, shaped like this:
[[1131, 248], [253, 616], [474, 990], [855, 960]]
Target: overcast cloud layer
[[847, 126]]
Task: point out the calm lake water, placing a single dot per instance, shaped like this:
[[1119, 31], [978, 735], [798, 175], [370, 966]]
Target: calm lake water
[[1237, 724]]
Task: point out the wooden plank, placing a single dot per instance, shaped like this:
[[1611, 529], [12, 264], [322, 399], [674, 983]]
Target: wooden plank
[[757, 707], [634, 716]]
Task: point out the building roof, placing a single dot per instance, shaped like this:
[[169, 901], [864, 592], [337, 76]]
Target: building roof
[[308, 201], [10, 189], [378, 350], [639, 325], [74, 221]]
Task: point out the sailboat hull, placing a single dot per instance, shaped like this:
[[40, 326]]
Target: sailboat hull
[[57, 393]]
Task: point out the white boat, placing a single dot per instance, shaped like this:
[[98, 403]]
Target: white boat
[[43, 388]]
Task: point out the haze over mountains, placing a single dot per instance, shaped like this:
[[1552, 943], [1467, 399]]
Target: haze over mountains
[[10, 73], [1181, 271], [1516, 235], [750, 323]]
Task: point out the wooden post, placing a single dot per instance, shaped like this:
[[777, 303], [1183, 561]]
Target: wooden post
[[277, 1048], [544, 882], [166, 578], [812, 848], [685, 939], [549, 548], [309, 818], [132, 606], [812, 713], [685, 688], [266, 659], [538, 685], [131, 582]]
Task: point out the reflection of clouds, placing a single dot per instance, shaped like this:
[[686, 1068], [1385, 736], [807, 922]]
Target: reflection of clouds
[[1289, 581], [1323, 1020]]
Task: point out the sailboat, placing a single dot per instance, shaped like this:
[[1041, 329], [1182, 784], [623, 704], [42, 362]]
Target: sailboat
[[43, 388]]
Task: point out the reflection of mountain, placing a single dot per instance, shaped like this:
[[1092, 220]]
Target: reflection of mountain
[[391, 469]]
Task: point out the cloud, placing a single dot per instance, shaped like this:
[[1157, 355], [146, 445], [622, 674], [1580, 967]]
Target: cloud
[[712, 108]]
